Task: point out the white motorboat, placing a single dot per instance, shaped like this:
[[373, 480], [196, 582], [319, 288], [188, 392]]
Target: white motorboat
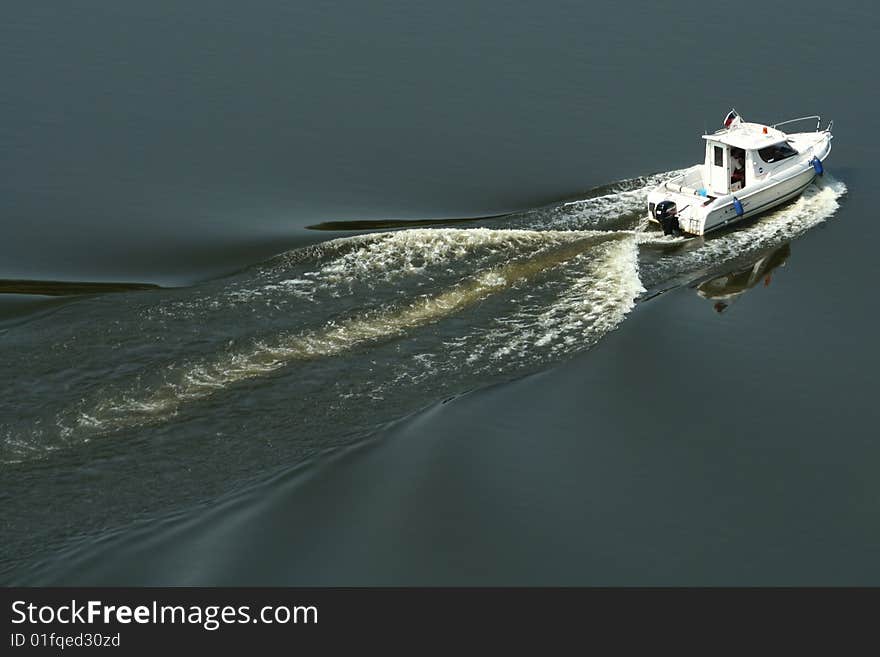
[[749, 168]]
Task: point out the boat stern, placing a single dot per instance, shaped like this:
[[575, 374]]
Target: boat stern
[[675, 211]]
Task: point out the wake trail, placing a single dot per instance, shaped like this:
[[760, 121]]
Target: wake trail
[[464, 306]]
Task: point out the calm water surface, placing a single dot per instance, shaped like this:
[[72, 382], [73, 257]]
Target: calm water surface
[[207, 391]]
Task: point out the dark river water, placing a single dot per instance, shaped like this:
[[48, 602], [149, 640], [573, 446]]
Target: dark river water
[[200, 387]]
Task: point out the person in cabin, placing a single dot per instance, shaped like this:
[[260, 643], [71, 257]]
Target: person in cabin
[[737, 168]]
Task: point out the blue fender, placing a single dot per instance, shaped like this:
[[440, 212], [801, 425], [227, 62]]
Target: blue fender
[[817, 166], [737, 206]]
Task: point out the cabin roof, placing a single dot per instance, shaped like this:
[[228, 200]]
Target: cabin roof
[[751, 136]]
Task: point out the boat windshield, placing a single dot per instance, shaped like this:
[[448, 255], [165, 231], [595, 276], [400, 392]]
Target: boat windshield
[[777, 152]]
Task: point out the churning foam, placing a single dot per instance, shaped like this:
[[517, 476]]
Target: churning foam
[[598, 291], [535, 252]]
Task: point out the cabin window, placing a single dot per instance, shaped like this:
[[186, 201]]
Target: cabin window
[[719, 156], [777, 152]]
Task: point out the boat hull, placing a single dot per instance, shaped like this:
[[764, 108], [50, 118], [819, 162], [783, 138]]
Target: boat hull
[[759, 200]]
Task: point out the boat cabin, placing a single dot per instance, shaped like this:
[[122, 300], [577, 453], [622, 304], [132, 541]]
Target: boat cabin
[[742, 154]]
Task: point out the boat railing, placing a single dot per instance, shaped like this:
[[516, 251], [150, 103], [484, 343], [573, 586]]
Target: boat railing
[[804, 118]]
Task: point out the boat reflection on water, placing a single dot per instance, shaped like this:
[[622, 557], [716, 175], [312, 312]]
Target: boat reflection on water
[[725, 289]]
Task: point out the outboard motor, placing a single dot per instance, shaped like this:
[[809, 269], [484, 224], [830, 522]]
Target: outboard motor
[[666, 214]]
